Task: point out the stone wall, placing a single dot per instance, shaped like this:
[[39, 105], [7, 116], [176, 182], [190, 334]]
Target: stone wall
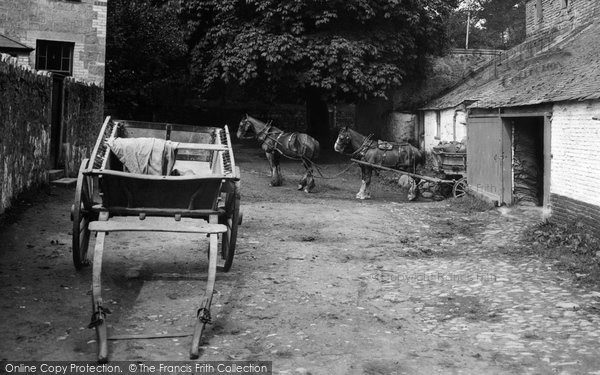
[[24, 128], [343, 116], [401, 127], [83, 117], [441, 75], [559, 15], [82, 23]]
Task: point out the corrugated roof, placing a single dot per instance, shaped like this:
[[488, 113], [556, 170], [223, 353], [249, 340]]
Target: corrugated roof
[[568, 69], [7, 43]]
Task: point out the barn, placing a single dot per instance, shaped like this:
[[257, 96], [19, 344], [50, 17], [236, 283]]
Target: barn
[[531, 116]]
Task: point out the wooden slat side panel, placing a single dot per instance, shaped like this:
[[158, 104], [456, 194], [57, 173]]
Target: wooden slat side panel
[[154, 224], [132, 192]]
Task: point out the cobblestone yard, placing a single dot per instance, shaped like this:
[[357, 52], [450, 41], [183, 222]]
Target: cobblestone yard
[[321, 284]]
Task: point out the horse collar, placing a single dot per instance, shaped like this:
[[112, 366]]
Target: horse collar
[[263, 137], [363, 148]]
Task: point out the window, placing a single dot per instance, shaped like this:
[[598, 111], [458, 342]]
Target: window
[[54, 56], [438, 124], [538, 10]]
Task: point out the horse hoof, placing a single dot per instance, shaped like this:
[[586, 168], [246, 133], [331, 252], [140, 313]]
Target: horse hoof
[[300, 187], [306, 190]]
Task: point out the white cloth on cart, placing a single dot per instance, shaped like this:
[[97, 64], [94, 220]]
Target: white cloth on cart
[[151, 156]]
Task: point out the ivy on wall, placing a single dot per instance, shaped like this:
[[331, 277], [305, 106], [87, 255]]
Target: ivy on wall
[[24, 129], [83, 112]]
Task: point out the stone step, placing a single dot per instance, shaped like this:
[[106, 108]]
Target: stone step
[[55, 174], [65, 182]]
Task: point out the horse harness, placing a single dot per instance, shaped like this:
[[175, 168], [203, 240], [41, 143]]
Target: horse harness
[[383, 146], [362, 150], [265, 134]]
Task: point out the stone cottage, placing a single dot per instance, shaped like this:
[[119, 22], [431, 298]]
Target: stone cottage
[[532, 126], [66, 37]]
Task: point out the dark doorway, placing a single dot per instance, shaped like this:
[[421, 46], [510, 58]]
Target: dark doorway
[[56, 160], [528, 161]]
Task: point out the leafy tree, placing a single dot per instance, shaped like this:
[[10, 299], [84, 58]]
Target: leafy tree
[[145, 56], [504, 20], [311, 50], [493, 23]]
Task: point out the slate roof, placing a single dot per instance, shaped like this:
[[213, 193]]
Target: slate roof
[[566, 69], [9, 44]]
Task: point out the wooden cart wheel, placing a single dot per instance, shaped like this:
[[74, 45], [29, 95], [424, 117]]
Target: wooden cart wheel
[[232, 221], [81, 212], [460, 188]]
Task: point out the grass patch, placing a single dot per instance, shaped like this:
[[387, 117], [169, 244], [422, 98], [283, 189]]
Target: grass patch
[[469, 204], [575, 249]]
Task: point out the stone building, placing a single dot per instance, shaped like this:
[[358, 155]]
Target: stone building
[[532, 126], [66, 37]]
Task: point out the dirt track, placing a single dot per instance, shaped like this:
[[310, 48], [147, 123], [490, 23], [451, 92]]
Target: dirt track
[[321, 282]]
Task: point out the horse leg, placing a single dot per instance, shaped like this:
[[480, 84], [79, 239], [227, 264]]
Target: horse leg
[[369, 174], [310, 185], [278, 178], [308, 180], [273, 159], [364, 192], [361, 192], [303, 181]]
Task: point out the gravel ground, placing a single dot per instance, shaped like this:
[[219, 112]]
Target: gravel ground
[[321, 283]]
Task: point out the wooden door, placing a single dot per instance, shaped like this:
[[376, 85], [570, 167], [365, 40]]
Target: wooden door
[[485, 157]]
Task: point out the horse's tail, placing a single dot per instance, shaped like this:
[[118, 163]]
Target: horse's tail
[[420, 157], [317, 149]]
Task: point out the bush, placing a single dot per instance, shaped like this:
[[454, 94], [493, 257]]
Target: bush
[[468, 204], [571, 237]]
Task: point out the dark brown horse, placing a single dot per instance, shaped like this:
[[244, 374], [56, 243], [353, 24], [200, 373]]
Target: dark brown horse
[[277, 143], [403, 156]]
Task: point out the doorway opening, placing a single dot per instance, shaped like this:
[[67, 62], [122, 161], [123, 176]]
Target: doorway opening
[[528, 161], [56, 157]]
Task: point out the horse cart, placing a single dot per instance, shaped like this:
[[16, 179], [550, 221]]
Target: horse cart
[[451, 159], [458, 182], [157, 177]]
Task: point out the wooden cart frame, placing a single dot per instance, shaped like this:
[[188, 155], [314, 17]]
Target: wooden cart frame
[[459, 185], [206, 203]]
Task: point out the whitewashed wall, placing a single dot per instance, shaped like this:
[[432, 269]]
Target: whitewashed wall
[[575, 171], [452, 127]]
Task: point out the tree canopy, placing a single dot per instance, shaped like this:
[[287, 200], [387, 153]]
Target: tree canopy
[[493, 23], [145, 57], [291, 49]]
